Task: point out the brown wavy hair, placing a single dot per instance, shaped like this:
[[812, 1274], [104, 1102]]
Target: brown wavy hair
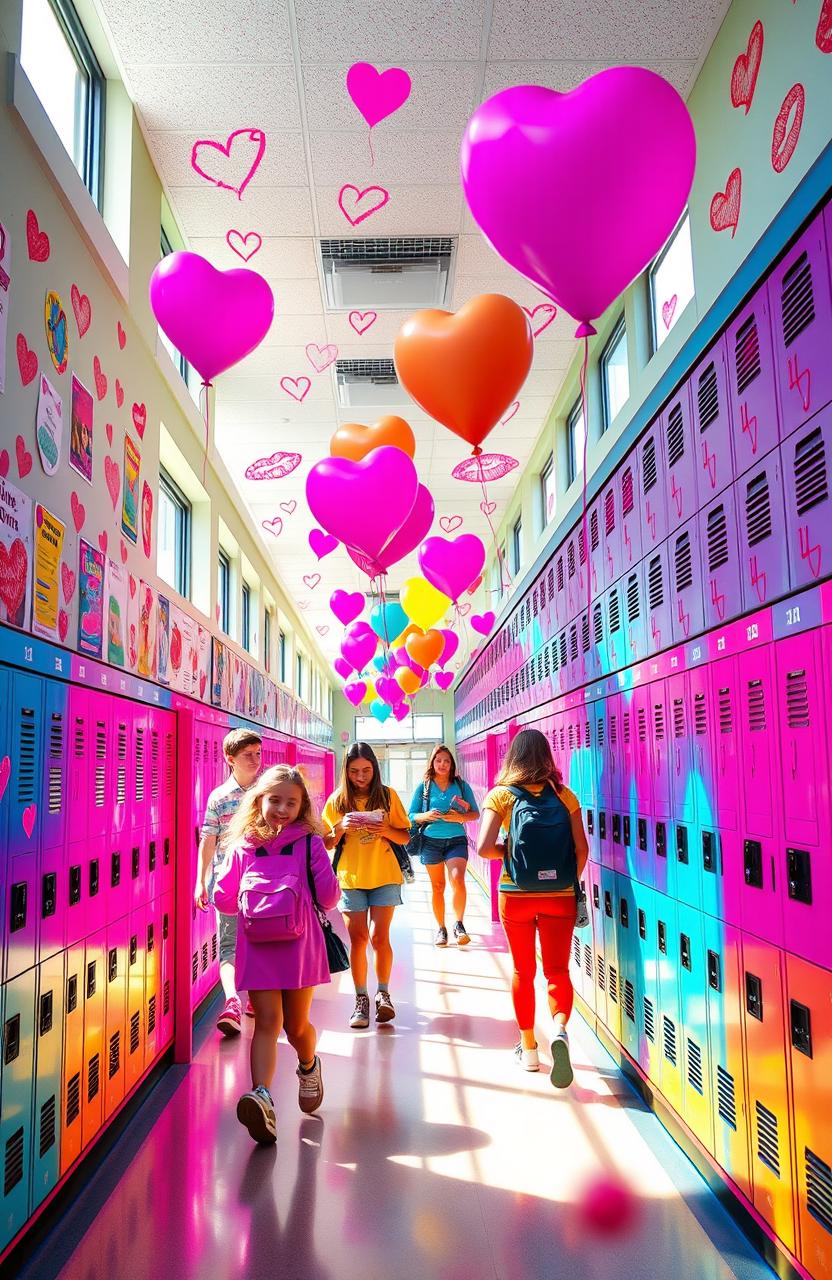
[[345, 799], [430, 772], [248, 822], [529, 762]]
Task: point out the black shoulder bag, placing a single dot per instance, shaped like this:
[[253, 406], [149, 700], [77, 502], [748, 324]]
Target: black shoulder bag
[[337, 955]]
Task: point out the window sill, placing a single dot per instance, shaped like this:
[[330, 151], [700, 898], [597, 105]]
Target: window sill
[[74, 196], [179, 388]]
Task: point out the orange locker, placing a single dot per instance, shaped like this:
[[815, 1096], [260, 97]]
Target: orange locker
[[73, 1068], [115, 975], [134, 1046], [95, 994]]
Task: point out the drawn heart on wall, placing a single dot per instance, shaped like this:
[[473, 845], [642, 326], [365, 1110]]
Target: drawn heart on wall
[[322, 629], [238, 243], [102, 540], [63, 623], [321, 358], [274, 526], [5, 774], [79, 513], [67, 582], [463, 609], [512, 410], [725, 205], [289, 507], [37, 241], [311, 580], [83, 310], [746, 69], [4, 463], [28, 818], [24, 457], [449, 523], [297, 388], [140, 419], [785, 135], [361, 321], [823, 35], [276, 467], [488, 508], [112, 477], [122, 336], [356, 205], [549, 311], [131, 582], [122, 547], [669, 310], [232, 164], [108, 431], [14, 568], [322, 544], [119, 394], [100, 378], [27, 361]]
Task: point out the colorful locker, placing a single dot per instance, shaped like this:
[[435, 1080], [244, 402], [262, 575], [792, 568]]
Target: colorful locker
[[725, 1041], [95, 995], [720, 560], [575, 587], [683, 855], [645, 822], [807, 475], [764, 562], [118, 939], [799, 293], [561, 595], [599, 763], [138, 788], [596, 908], [52, 897], [707, 850], [697, 1101], [100, 793], [133, 1048], [118, 865], [807, 989], [153, 958], [72, 1075], [49, 1035], [687, 616], [613, 563], [610, 913], [752, 382], [657, 587], [646, 936], [636, 631], [762, 867], [17, 1068], [628, 960], [669, 1030], [616, 638], [680, 474], [597, 558], [653, 507], [768, 1087], [630, 513], [629, 795], [712, 423], [20, 926], [122, 768]]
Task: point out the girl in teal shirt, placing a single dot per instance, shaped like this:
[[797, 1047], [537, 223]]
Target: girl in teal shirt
[[440, 807]]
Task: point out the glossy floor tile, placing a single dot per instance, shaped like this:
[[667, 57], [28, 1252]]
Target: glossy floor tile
[[433, 1154]]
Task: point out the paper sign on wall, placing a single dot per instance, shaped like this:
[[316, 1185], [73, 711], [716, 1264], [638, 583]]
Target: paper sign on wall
[[115, 606], [90, 599], [49, 542], [15, 554], [57, 330], [49, 426], [163, 639], [80, 431], [147, 631], [130, 498], [5, 295]]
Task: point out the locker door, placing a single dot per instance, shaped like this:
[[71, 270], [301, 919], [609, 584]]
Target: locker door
[[561, 607], [636, 637], [629, 793], [768, 1089], [49, 1030], [20, 926], [595, 901], [681, 755], [610, 913], [646, 936], [719, 542], [95, 993], [764, 563], [755, 424], [595, 520], [670, 1030], [811, 1066], [706, 851], [122, 770], [642, 837], [139, 787], [659, 624], [807, 474], [96, 895], [680, 474], [725, 1041], [165, 1005], [115, 963], [801, 324], [660, 729], [761, 763], [693, 987], [574, 581], [712, 423], [630, 513], [52, 895], [73, 1057], [628, 959], [17, 1069], [613, 566], [79, 775], [687, 615], [153, 959], [154, 773], [133, 1049], [101, 797], [614, 749], [616, 637]]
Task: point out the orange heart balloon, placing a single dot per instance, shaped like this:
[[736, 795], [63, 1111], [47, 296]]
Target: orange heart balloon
[[465, 369], [425, 649], [407, 680], [355, 441]]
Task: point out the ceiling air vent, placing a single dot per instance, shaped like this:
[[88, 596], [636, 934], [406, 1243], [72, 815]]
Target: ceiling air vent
[[392, 273], [366, 383]]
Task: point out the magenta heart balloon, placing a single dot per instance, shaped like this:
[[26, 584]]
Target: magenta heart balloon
[[344, 668], [444, 680], [388, 690], [482, 622], [354, 693], [401, 711], [322, 544], [359, 645], [363, 504], [414, 529], [451, 646], [346, 605], [377, 94], [214, 318], [578, 191], [452, 564]]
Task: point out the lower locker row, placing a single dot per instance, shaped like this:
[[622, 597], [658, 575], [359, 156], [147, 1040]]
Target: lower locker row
[[737, 1037]]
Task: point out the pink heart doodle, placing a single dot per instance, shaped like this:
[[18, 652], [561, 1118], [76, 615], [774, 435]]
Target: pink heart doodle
[[363, 203], [67, 582], [321, 357], [311, 580], [297, 388], [27, 361], [512, 410], [322, 629], [63, 623], [119, 394], [102, 541], [303, 604], [273, 526], [122, 547], [131, 582], [108, 431], [238, 243], [361, 321], [112, 477], [100, 379], [482, 622], [4, 463], [83, 310], [223, 169], [746, 69], [725, 205], [122, 336], [5, 774], [37, 241], [276, 467], [444, 679], [488, 508], [463, 609], [322, 544], [79, 513], [289, 507], [669, 310], [28, 817], [377, 94], [449, 523], [140, 418], [549, 311], [24, 457]]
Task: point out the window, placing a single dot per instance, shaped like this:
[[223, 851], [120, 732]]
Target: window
[[300, 670], [281, 656], [548, 495], [516, 546], [246, 627], [615, 374], [671, 282], [267, 639], [174, 535], [413, 728], [224, 590], [575, 440], [187, 374], [64, 72], [502, 566]]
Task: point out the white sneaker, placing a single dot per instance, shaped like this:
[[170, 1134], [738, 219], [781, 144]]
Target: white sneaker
[[256, 1111], [561, 1073], [528, 1059]]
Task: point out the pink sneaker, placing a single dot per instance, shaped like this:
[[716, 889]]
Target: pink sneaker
[[249, 1009], [229, 1020]]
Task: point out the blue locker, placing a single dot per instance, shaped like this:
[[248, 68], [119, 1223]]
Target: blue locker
[[693, 992], [49, 1034], [628, 963], [17, 1068], [649, 1039], [670, 1028], [20, 931], [609, 915]]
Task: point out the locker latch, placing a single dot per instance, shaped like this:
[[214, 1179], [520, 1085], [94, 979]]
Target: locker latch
[[166, 855], [49, 895], [682, 844], [151, 937], [714, 976], [710, 851], [754, 996], [17, 906], [662, 931], [11, 1039], [801, 1027], [135, 864], [608, 904], [602, 824], [642, 924], [596, 897], [72, 994], [196, 836], [91, 979], [624, 912], [74, 885], [753, 862], [115, 869], [151, 855], [112, 964], [94, 878], [165, 925], [661, 840], [626, 831], [616, 828], [800, 875], [642, 834], [590, 822], [134, 949], [684, 952], [46, 1013]]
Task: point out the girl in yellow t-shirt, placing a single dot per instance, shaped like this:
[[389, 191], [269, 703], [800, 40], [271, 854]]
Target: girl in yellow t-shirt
[[361, 819]]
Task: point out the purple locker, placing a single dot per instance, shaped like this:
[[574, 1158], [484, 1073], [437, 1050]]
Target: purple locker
[[719, 543], [589, 652], [807, 473], [712, 422], [100, 763], [659, 629], [611, 532], [660, 730], [652, 510], [752, 383], [633, 588], [595, 520], [560, 589], [574, 668], [630, 508], [681, 760], [615, 633], [799, 293], [764, 564], [573, 577], [762, 865], [680, 461], [614, 749], [687, 614], [726, 699], [708, 852]]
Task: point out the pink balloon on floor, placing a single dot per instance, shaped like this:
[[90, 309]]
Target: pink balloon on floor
[[608, 1207]]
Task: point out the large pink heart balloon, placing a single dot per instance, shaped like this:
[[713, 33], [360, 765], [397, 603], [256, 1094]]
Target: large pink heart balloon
[[452, 564], [578, 191], [359, 645], [451, 645], [346, 605], [363, 504], [401, 544], [214, 318]]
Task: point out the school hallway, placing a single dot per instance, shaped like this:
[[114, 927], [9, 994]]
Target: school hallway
[[433, 1155]]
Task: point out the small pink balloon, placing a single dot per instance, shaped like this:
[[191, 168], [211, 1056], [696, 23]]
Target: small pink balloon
[[355, 693], [451, 645], [401, 711], [482, 623], [346, 605], [359, 645], [322, 544], [377, 94], [452, 564], [425, 678], [444, 680], [344, 668], [363, 504], [608, 1207], [388, 690]]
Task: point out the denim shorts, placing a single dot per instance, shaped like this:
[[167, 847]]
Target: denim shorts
[[384, 895], [433, 851]]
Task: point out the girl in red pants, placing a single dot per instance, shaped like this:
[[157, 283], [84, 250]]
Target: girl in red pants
[[547, 911]]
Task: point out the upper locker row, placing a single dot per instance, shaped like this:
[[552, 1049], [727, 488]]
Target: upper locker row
[[734, 476]]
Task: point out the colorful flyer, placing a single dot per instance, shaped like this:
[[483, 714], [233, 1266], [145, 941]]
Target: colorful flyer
[[147, 656], [49, 426], [163, 640], [147, 517], [115, 601], [90, 599], [130, 497], [49, 543], [57, 331], [80, 431], [133, 626], [203, 690], [15, 554], [5, 294], [183, 652]]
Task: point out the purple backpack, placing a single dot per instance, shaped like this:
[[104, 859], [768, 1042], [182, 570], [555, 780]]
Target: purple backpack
[[270, 898]]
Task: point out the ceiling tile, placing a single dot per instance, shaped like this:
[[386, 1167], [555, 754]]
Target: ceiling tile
[[415, 211], [564, 76], [430, 156], [273, 211], [283, 163], [379, 31], [283, 259], [214, 99], [247, 31], [591, 29]]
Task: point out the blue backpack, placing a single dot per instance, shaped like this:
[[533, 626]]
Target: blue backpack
[[540, 854]]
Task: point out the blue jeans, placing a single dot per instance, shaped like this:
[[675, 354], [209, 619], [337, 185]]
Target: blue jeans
[[434, 851]]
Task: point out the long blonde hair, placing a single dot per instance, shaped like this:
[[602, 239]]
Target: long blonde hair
[[529, 762], [248, 822]]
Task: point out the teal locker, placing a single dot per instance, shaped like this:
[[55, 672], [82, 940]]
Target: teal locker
[[693, 991], [726, 1050], [628, 962], [649, 1040], [670, 1030], [17, 1067], [49, 1035]]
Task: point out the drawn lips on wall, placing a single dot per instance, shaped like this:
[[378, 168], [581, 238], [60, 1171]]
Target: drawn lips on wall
[[275, 467], [787, 127]]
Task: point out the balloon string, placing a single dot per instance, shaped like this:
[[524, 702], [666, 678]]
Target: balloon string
[[372, 153], [505, 576], [584, 522], [461, 624], [207, 416]]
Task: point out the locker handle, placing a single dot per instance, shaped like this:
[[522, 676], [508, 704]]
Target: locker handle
[[662, 935], [17, 905], [46, 1013], [754, 996], [714, 975], [49, 903], [134, 949], [94, 878], [115, 870], [112, 964], [607, 904], [11, 1040], [151, 937], [794, 758], [91, 979], [801, 1020], [72, 994], [642, 924], [684, 952]]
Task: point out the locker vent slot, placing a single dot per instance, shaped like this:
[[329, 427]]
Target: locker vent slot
[[649, 470], [695, 1066], [678, 718], [609, 512], [627, 495], [655, 583], [602, 730], [726, 1101], [649, 1020], [819, 1190], [56, 755], [166, 1005], [154, 763], [629, 1000], [576, 949], [79, 738], [73, 1099], [204, 956], [707, 396], [560, 573], [768, 1142], [598, 625], [213, 946], [613, 728], [810, 483], [615, 611], [797, 700], [93, 1077], [758, 509], [717, 538], [139, 763], [151, 1015], [594, 533], [700, 714], [121, 768], [797, 299], [612, 987], [587, 960], [726, 714], [115, 1055], [602, 974], [570, 559], [563, 654], [756, 706], [582, 547], [587, 742], [642, 725], [26, 761], [633, 602], [626, 723], [134, 1032], [658, 721], [669, 1039], [13, 1169], [573, 642], [675, 435], [585, 633], [747, 353], [100, 763], [550, 586], [47, 1126]]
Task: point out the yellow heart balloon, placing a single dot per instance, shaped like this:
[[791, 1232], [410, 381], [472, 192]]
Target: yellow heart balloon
[[422, 603], [407, 680], [371, 691]]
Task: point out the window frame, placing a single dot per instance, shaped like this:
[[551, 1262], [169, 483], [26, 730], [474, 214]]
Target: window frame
[[267, 639], [299, 674], [573, 468], [547, 470], [181, 365], [182, 535], [652, 271], [619, 332], [245, 616], [516, 545], [224, 589], [281, 655]]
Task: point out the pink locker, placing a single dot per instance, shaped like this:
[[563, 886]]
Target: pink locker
[[155, 747], [799, 293], [77, 915], [636, 632], [811, 1061], [615, 762], [752, 381], [725, 692], [611, 533], [153, 865], [628, 477], [122, 766], [19, 929], [140, 780], [595, 517], [680, 462], [712, 423], [720, 552], [80, 768], [115, 965], [95, 896], [681, 758], [708, 852], [575, 589], [652, 508], [807, 475], [762, 866], [657, 588], [561, 596], [687, 616], [118, 870], [95, 1064], [642, 715], [133, 1048], [764, 564]]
